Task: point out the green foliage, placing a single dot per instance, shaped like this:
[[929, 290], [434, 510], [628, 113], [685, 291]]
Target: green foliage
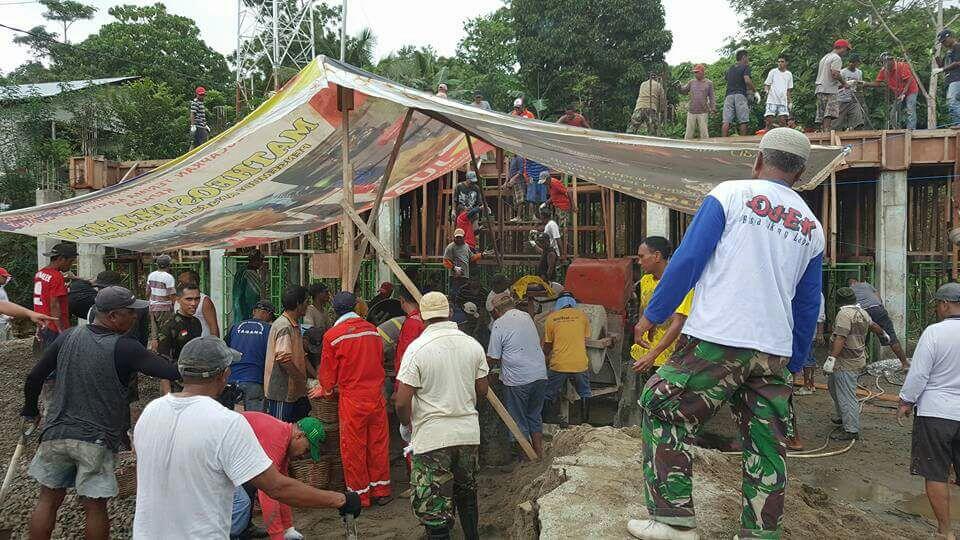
[[486, 60], [20, 259], [155, 120], [600, 51], [66, 12]]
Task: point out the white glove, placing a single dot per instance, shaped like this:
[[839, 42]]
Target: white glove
[[533, 244], [457, 270], [756, 95], [193, 129], [405, 433], [292, 534], [936, 71], [829, 364]]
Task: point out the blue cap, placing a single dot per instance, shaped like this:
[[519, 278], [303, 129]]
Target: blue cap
[[344, 302], [565, 301]]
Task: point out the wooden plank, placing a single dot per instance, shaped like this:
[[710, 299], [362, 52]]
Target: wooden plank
[[833, 218], [345, 103], [129, 172], [511, 425], [423, 223], [576, 219]]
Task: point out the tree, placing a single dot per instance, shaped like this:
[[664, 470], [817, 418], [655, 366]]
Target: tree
[[66, 12], [614, 43], [154, 120], [486, 59]]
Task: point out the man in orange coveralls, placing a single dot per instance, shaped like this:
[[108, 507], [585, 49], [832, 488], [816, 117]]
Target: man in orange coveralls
[[351, 362], [283, 442]]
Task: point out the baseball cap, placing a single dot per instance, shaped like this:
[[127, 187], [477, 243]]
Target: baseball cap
[[266, 306], [164, 260], [458, 233], [854, 57], [201, 90], [786, 140], [846, 294], [313, 429], [117, 297], [386, 287], [517, 103], [699, 68], [948, 292], [205, 357], [544, 177], [471, 309], [471, 176], [841, 43], [944, 34], [4, 273], [344, 302], [63, 249], [502, 300], [434, 305]]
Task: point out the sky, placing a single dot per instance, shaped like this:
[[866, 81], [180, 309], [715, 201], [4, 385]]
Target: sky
[[700, 27]]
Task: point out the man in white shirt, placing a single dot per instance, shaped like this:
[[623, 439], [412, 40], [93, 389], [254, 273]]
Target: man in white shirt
[[851, 108], [162, 292], [551, 229], [829, 83], [779, 90], [932, 392], [193, 453], [754, 253], [444, 371]]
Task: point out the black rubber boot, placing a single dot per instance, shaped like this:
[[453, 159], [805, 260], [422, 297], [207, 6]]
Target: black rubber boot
[[438, 533], [584, 410], [469, 515]]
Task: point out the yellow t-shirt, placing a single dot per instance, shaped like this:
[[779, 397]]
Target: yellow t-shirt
[[648, 284], [567, 329]]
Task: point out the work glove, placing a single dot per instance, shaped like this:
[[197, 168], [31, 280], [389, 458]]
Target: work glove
[[193, 129], [829, 364], [352, 506], [936, 71], [405, 433], [292, 534], [756, 96]]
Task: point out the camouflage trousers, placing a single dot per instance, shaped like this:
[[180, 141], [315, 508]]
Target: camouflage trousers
[[440, 480], [687, 391]]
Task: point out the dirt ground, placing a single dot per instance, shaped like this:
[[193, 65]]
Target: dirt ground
[[867, 491]]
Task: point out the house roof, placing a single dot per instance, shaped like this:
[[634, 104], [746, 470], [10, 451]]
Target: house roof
[[24, 91]]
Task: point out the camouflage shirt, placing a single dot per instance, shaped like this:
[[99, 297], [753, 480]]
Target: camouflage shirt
[[176, 334]]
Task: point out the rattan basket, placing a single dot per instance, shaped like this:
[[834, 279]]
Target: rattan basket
[[126, 480], [336, 482], [325, 409], [331, 444], [315, 474]]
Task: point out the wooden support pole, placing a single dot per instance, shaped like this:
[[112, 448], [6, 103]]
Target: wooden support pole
[[501, 179], [483, 200], [345, 104], [387, 171], [387, 256], [576, 219], [833, 219], [612, 250]]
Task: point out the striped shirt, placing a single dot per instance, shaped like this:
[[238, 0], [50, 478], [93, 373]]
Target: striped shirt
[[199, 113]]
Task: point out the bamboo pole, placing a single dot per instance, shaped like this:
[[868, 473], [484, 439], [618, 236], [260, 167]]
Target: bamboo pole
[[833, 219], [576, 219]]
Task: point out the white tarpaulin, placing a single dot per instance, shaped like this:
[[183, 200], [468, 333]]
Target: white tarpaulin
[[277, 173]]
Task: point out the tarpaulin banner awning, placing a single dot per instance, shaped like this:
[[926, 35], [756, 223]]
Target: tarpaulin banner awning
[[276, 174]]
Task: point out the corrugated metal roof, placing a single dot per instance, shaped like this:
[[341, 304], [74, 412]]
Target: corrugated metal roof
[[25, 91]]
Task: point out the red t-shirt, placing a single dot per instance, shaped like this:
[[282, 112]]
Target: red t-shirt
[[903, 76], [274, 436], [524, 113], [576, 119], [412, 328], [470, 237], [558, 195], [48, 284]]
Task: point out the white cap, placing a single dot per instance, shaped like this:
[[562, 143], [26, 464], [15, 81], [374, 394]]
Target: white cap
[[518, 102], [434, 305], [786, 140]]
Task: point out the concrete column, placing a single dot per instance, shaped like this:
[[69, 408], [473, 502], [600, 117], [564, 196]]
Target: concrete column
[[658, 220], [45, 244], [388, 231], [891, 257], [217, 257], [90, 260]]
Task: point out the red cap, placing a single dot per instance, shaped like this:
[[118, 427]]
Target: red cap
[[386, 287], [699, 68], [201, 90], [841, 43], [3, 272]]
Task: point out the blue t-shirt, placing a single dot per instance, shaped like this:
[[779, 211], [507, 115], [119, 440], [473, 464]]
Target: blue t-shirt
[[515, 342], [516, 167], [250, 339]]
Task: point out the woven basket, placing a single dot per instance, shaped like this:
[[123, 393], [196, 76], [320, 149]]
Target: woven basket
[[336, 482], [331, 444], [315, 474], [325, 409], [126, 480]]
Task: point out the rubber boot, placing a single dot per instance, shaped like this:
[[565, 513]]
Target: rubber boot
[[469, 515], [438, 533], [584, 410]]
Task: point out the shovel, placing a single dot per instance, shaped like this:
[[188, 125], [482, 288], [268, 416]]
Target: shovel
[[12, 467]]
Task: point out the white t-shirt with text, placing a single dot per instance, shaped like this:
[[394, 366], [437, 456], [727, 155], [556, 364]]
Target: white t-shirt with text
[[192, 453]]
